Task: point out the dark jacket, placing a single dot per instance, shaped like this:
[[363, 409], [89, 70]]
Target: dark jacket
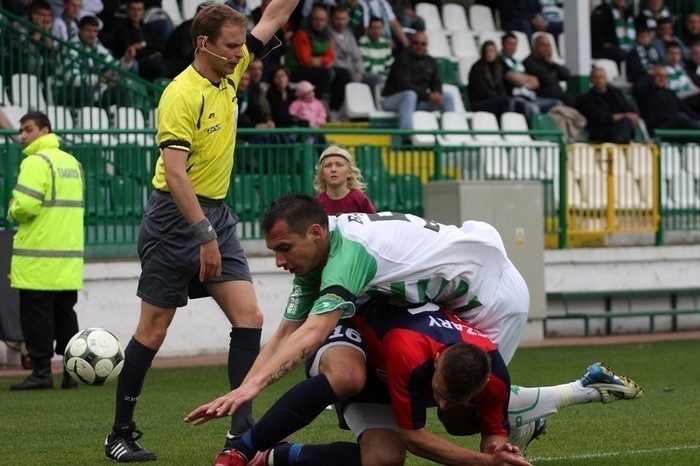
[[482, 85], [518, 9], [659, 104], [126, 34], [635, 68], [598, 108], [549, 75], [411, 72]]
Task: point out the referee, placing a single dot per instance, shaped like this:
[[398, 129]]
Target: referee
[[187, 242]]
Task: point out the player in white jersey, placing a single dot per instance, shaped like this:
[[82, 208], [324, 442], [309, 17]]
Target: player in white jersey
[[338, 260]]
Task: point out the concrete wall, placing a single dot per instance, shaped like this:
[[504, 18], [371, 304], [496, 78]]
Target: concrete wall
[[109, 298]]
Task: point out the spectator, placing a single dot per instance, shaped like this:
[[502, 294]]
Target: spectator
[[610, 117], [376, 50], [339, 183], [642, 57], [659, 106], [692, 65], [133, 32], [526, 16], [312, 58], [665, 35], [356, 12], [86, 82], [272, 56], [34, 51], [65, 25], [406, 15], [519, 84], [414, 83], [487, 88], [306, 107], [347, 53], [242, 7], [678, 79], [47, 257], [392, 28], [612, 30], [654, 11], [548, 73], [691, 29], [280, 97], [258, 106], [179, 48]]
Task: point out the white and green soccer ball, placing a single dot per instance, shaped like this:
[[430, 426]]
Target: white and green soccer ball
[[93, 357]]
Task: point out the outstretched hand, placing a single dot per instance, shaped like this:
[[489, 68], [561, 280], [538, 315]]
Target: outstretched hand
[[223, 406], [508, 455]]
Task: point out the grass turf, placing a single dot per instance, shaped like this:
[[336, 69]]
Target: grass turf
[[59, 427]]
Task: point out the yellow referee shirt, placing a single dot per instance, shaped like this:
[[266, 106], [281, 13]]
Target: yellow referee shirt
[[200, 118]]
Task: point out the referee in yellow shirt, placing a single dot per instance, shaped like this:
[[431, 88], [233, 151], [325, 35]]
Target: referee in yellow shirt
[[187, 242]]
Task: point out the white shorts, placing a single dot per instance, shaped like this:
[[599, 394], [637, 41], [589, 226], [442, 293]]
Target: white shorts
[[365, 416]]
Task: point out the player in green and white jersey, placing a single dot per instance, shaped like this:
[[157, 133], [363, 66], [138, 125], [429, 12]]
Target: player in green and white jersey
[[337, 261]]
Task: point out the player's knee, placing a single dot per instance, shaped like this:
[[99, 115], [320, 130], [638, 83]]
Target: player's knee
[[347, 377], [250, 317], [386, 455]]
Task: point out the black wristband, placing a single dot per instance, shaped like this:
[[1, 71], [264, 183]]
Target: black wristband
[[204, 231], [253, 44]]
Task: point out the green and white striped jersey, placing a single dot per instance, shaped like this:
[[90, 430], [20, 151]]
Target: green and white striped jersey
[[413, 259]]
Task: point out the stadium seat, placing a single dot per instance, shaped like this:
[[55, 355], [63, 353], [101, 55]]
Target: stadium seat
[[494, 159], [438, 44], [61, 118], [189, 8], [172, 8], [494, 36], [556, 56], [562, 45], [512, 121], [422, 120], [481, 18], [95, 118], [431, 15], [524, 49], [27, 91], [455, 121], [4, 97], [14, 113], [456, 96], [464, 66], [612, 71], [359, 103], [463, 43], [131, 118], [454, 17]]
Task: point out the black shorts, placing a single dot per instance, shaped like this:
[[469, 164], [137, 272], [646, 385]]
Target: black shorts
[[169, 252]]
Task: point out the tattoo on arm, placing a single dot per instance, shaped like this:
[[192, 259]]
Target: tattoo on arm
[[288, 366]]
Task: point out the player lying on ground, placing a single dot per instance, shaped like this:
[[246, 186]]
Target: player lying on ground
[[416, 359]]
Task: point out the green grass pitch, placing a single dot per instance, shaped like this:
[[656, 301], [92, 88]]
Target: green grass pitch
[[59, 427]]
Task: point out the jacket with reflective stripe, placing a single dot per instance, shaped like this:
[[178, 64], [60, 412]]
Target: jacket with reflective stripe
[[48, 204]]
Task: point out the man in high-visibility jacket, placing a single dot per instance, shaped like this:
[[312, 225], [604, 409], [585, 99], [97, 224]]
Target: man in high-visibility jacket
[[47, 255]]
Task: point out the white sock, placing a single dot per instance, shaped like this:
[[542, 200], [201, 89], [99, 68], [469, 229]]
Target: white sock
[[528, 404]]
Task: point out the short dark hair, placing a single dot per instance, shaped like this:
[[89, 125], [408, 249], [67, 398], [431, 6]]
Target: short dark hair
[[300, 211], [508, 35], [673, 45], [40, 5], [465, 370], [41, 120], [88, 21], [374, 18]]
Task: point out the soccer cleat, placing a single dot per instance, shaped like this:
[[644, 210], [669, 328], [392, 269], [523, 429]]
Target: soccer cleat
[[523, 435], [612, 386], [123, 447]]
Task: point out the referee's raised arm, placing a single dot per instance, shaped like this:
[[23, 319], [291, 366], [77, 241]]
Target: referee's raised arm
[[273, 18]]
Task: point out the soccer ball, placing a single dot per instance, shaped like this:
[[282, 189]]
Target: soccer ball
[[93, 357]]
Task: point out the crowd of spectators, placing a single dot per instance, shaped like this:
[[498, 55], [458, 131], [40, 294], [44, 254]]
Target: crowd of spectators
[[330, 43]]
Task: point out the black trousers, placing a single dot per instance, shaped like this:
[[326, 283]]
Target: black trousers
[[46, 316]]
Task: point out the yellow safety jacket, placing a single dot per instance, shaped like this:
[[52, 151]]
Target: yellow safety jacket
[[48, 204]]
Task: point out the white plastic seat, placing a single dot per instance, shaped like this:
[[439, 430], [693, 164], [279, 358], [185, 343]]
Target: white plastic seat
[[422, 120], [454, 17], [95, 118], [494, 36], [562, 45], [464, 65], [27, 91], [463, 43], [455, 121], [172, 8], [14, 113], [523, 50], [61, 118], [359, 102], [556, 56], [481, 18], [131, 118], [512, 121], [438, 44], [494, 158], [611, 69], [4, 97], [431, 15], [456, 97]]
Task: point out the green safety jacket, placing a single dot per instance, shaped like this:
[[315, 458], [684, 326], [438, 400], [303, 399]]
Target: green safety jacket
[[48, 204]]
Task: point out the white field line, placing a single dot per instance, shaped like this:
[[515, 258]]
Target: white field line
[[612, 454]]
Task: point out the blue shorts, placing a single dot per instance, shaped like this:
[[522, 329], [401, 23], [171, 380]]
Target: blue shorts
[[169, 252]]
